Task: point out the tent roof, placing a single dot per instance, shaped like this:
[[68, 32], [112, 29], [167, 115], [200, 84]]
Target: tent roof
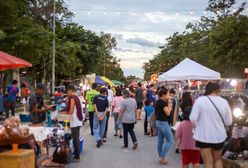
[[189, 70], [100, 81], [107, 80], [8, 61]]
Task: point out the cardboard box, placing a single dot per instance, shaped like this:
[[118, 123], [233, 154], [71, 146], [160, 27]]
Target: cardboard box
[[22, 159]]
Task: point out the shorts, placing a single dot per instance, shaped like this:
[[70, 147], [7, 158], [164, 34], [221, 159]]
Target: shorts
[[152, 121], [217, 146], [190, 156], [139, 105]]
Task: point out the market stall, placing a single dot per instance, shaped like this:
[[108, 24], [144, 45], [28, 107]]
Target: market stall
[[189, 70], [107, 80], [117, 83]]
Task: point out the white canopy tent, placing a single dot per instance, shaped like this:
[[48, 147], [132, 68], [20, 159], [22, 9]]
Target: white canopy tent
[[189, 70]]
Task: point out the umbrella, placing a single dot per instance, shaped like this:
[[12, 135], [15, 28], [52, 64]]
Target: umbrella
[[117, 83], [107, 80], [99, 81], [10, 62]]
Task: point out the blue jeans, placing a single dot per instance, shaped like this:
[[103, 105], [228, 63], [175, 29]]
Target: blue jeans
[[99, 126], [119, 125], [164, 132]]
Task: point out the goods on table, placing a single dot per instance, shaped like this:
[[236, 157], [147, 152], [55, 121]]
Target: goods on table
[[11, 130], [22, 159]]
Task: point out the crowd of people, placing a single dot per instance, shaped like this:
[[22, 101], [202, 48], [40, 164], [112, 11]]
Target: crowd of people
[[200, 135]]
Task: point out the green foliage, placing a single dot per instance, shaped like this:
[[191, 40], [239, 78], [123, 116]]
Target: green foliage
[[217, 42], [26, 32]]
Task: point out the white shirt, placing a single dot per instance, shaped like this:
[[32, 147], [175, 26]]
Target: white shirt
[[209, 127], [76, 122], [110, 98]]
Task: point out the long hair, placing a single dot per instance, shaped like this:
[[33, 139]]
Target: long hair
[[186, 100]]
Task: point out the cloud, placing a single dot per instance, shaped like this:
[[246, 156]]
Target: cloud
[[138, 36], [142, 42]]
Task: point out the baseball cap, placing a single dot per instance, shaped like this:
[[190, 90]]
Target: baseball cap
[[41, 86]]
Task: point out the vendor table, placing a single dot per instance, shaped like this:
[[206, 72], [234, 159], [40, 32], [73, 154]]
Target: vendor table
[[227, 163], [21, 159]]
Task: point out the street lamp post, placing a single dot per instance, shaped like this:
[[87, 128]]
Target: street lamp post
[[53, 57]]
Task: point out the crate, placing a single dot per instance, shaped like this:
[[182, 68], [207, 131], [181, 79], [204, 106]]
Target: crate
[[81, 145], [22, 159], [25, 118]]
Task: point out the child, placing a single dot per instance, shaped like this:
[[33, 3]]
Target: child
[[184, 133], [150, 111]]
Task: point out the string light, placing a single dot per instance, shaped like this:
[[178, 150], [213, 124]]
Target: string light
[[161, 12]]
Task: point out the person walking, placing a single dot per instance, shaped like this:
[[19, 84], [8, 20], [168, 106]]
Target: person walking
[[10, 100], [149, 96], [139, 97], [210, 114], [110, 100], [74, 108], [162, 110], [101, 108], [90, 95], [184, 134], [116, 112], [149, 109], [129, 118], [173, 114]]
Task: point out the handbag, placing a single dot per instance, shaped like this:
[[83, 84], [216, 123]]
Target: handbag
[[60, 155]]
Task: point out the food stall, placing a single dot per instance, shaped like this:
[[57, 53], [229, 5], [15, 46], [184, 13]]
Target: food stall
[[235, 154]]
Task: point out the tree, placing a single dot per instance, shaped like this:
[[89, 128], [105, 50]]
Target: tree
[[210, 42]]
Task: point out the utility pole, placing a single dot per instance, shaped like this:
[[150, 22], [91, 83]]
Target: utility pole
[[104, 68], [53, 68]]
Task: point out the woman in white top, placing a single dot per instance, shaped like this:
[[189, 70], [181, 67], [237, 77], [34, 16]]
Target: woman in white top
[[210, 114]]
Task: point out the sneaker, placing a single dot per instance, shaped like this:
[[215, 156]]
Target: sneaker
[[92, 134], [147, 133], [99, 144], [177, 151], [124, 147], [115, 135], [104, 140], [135, 146], [121, 136], [76, 160]]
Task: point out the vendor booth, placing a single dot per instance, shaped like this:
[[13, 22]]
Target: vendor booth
[[190, 73], [189, 70]]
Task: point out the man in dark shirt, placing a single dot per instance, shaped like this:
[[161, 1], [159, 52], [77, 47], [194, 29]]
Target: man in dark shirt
[[37, 106], [101, 108], [139, 97]]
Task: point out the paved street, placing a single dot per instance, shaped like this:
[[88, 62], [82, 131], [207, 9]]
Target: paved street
[[112, 156]]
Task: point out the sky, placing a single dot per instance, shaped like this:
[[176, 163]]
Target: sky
[[140, 26]]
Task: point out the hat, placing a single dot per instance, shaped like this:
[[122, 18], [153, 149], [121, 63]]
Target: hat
[[126, 92], [41, 86]]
